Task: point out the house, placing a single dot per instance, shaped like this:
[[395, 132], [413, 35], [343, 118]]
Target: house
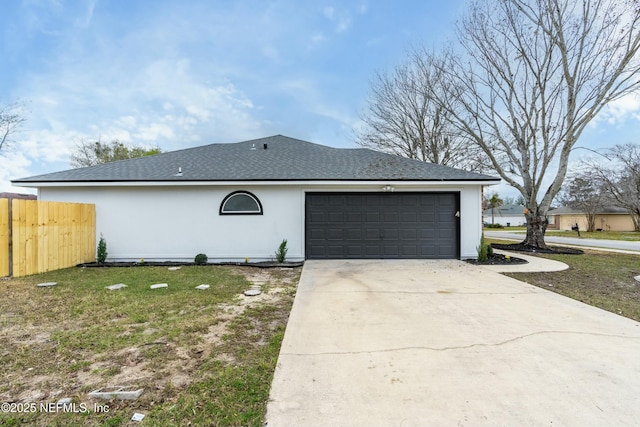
[[240, 200], [607, 219], [506, 215]]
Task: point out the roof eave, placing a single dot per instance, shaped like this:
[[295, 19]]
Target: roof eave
[[288, 182]]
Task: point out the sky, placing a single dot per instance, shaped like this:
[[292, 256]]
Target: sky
[[181, 73]]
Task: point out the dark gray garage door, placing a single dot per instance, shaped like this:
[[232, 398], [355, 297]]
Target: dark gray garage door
[[381, 225]]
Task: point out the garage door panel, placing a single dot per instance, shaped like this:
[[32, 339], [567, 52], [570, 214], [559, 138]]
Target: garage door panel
[[316, 233], [391, 217], [354, 217], [336, 217], [390, 251], [409, 234], [408, 216], [371, 216], [371, 234], [446, 234], [354, 251], [354, 200], [410, 200], [353, 234], [335, 234], [317, 217], [336, 200], [382, 225], [391, 234]]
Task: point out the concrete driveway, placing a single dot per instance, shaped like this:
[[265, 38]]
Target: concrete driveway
[[445, 343]]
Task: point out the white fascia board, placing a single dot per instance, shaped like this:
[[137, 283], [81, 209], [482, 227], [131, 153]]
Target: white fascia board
[[36, 184]]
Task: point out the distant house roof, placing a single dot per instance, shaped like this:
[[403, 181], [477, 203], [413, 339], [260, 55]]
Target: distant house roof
[[18, 196], [506, 210], [275, 158], [566, 210]]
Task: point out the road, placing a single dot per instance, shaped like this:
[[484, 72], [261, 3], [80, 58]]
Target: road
[[571, 241]]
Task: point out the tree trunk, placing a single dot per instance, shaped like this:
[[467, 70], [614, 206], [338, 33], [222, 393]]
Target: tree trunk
[[635, 216], [536, 227]]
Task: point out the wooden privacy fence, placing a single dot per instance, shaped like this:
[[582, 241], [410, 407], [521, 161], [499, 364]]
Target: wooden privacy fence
[[40, 236]]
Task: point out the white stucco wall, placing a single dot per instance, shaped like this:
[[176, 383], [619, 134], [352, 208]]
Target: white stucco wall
[[177, 222], [514, 220]]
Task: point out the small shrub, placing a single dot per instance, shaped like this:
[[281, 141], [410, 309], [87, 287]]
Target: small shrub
[[281, 253], [494, 226], [483, 250], [101, 253], [200, 259]]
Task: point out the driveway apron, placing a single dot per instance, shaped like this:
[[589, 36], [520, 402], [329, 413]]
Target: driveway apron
[[435, 343]]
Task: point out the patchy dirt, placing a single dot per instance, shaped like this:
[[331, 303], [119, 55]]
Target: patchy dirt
[[157, 365]]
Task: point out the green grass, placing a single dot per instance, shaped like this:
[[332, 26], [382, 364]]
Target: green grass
[[604, 280], [203, 357], [632, 236]]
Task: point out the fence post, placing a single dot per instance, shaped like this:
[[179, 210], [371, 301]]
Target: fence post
[[10, 220]]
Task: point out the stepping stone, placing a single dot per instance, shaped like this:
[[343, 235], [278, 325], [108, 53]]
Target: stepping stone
[[159, 285], [116, 287], [116, 393], [252, 292], [64, 401], [137, 416], [46, 284], [202, 287]]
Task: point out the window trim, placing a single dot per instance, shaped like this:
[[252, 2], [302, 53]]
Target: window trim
[[235, 193]]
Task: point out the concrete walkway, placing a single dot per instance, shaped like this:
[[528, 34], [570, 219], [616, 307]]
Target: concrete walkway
[[613, 245], [446, 343], [534, 264]]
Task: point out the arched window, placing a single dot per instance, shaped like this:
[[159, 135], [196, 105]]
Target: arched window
[[240, 203]]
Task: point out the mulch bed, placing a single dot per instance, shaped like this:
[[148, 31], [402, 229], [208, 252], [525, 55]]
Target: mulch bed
[[499, 259], [263, 264], [518, 247]]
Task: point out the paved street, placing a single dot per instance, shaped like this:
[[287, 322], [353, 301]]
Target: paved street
[[570, 241]]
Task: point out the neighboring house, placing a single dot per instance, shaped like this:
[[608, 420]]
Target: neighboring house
[[237, 201], [608, 219], [507, 215]]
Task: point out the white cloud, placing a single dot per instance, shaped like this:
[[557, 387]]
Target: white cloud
[[340, 19], [154, 132], [13, 165], [329, 12], [621, 109]]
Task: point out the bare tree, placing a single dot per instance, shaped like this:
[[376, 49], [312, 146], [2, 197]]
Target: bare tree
[[11, 118], [533, 74], [583, 193], [95, 153], [621, 178], [403, 118]]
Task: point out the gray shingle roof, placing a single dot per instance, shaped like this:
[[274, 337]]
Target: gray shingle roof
[[506, 210], [284, 159], [566, 210]]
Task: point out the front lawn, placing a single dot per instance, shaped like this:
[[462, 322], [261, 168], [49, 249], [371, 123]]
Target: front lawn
[[203, 357], [601, 279]]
